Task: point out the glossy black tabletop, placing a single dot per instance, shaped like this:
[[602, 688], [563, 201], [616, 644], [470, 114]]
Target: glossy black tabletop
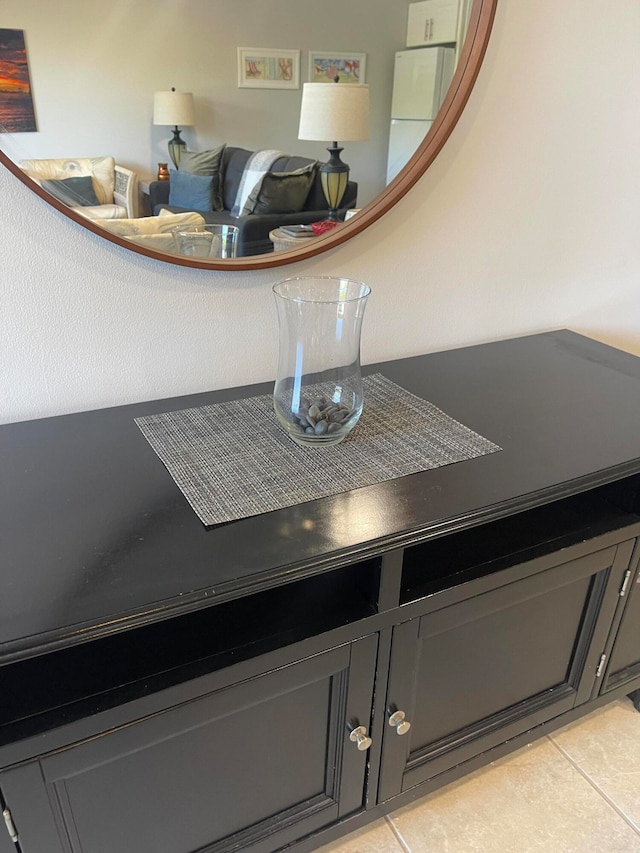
[[95, 535]]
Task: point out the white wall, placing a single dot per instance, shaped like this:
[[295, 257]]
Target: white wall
[[528, 220]]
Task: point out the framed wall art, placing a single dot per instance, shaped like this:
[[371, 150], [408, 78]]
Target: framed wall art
[[16, 103], [325, 66], [265, 68]]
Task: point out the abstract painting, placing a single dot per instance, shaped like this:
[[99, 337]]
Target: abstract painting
[[16, 103]]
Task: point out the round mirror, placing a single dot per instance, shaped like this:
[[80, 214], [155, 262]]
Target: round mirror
[[119, 96]]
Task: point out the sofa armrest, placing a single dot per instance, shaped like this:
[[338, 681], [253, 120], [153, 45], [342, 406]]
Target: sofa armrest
[[126, 190], [158, 194]]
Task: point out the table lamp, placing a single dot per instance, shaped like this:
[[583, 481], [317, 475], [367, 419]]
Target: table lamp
[[332, 111], [174, 108]]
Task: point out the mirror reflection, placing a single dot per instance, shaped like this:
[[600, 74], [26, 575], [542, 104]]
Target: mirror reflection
[[156, 117]]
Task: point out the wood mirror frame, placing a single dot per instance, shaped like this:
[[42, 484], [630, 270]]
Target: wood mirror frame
[[471, 57]]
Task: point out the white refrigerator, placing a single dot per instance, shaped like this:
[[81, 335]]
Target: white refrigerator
[[420, 81]]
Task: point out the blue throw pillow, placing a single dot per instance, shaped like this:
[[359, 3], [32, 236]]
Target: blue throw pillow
[[190, 191]]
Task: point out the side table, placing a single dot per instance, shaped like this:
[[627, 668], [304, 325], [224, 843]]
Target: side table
[[282, 241]]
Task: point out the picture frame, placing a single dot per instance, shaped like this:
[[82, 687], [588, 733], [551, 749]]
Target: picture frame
[[324, 65], [268, 68]]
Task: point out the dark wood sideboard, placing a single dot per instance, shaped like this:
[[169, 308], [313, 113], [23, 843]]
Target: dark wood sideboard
[[284, 679]]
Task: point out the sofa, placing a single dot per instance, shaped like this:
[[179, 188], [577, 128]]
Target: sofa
[[288, 193], [97, 187]]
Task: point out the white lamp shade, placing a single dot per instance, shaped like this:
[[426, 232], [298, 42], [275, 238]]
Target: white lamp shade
[[174, 108], [332, 112]]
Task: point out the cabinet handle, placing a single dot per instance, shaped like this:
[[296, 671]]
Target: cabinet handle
[[397, 721], [625, 583], [359, 736]]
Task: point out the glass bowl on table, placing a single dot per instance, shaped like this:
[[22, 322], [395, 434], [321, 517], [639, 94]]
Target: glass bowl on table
[[206, 241]]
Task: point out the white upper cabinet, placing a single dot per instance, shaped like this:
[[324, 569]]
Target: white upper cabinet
[[432, 22]]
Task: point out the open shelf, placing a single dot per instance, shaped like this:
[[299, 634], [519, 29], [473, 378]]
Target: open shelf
[[65, 685], [449, 561]]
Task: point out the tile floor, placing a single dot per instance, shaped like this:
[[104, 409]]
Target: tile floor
[[575, 791]]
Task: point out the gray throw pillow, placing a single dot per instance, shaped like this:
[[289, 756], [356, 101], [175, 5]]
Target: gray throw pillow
[[282, 192], [74, 192], [207, 163]]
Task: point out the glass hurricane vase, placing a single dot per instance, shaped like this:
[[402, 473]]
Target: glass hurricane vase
[[318, 390]]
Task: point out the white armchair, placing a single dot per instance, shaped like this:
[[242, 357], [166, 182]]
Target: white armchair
[[113, 187]]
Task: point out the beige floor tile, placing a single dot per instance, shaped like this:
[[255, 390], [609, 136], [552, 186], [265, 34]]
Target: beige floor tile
[[533, 801], [606, 748], [376, 838]]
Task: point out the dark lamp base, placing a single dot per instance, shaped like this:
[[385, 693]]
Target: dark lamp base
[[334, 177], [176, 147]]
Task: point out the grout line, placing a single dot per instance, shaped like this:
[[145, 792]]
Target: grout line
[[631, 823], [397, 834]]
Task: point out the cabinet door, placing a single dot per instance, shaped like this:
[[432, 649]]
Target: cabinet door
[[6, 844], [251, 767], [432, 22], [622, 662], [476, 673]]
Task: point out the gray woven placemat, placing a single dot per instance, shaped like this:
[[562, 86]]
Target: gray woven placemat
[[232, 460]]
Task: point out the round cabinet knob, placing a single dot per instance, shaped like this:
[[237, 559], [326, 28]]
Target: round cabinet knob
[[360, 738], [398, 722]]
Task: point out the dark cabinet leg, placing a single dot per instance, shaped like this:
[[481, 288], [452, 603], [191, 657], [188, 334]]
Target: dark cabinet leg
[[635, 698]]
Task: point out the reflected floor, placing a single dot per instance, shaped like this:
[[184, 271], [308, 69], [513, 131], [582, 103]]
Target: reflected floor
[[574, 791]]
